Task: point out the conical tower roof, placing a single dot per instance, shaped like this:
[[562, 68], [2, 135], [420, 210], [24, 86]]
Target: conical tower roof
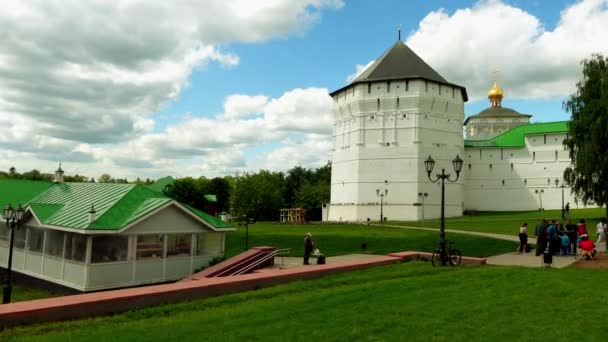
[[400, 62]]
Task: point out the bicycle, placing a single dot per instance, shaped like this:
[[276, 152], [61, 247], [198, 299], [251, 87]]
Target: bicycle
[[453, 255]]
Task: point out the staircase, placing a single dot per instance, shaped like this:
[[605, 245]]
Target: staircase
[[246, 262]]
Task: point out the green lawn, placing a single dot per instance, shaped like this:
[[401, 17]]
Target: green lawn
[[410, 301], [340, 239], [509, 222], [25, 292]]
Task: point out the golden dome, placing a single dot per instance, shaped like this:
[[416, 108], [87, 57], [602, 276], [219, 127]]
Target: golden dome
[[495, 95], [496, 91]]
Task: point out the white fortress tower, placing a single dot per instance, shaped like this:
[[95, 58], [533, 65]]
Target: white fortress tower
[[386, 123]]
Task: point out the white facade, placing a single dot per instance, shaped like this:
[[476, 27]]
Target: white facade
[[512, 179], [382, 133], [398, 112], [166, 245]]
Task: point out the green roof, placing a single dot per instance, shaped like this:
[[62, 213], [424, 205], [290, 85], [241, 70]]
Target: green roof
[[68, 204], [211, 198], [216, 222], [161, 184], [16, 191], [516, 136]]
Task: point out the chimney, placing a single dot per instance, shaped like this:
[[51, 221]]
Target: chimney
[[92, 214], [58, 175]]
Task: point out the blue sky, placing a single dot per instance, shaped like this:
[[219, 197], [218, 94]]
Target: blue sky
[[234, 86], [323, 55]]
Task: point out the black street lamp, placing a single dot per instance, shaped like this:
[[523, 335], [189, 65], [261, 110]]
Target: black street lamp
[[595, 177], [381, 195], [13, 220], [247, 221], [561, 186], [540, 198], [428, 165]]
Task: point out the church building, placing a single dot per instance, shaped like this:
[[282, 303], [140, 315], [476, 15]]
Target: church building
[[400, 111]]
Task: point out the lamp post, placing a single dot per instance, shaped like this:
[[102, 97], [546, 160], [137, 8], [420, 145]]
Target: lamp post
[[247, 221], [595, 177], [429, 163], [381, 194], [13, 220], [422, 195], [561, 186], [540, 198]]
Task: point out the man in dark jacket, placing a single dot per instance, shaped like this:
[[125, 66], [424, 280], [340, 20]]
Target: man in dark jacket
[[541, 237], [308, 245]]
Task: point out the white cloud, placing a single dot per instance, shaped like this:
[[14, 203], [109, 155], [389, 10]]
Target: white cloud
[[79, 80], [534, 62], [359, 69], [237, 105], [311, 151]]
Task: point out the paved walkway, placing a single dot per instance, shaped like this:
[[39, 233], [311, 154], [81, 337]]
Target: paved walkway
[[294, 262], [506, 237], [513, 258]]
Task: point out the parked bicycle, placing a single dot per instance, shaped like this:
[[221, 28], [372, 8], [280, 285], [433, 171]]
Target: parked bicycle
[[451, 256]]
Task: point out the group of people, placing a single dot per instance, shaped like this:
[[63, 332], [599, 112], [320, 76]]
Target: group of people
[[554, 237]]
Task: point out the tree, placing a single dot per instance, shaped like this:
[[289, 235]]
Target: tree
[[259, 195], [186, 190], [221, 189], [587, 140], [105, 178], [296, 177]]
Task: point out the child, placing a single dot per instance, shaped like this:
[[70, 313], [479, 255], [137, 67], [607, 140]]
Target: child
[[588, 247], [565, 243]]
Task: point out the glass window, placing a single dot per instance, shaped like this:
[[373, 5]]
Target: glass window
[[110, 248], [149, 246], [54, 243], [76, 247], [209, 243], [178, 244], [35, 240], [19, 237]]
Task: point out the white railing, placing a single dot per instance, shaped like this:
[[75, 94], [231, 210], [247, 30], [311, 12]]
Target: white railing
[[262, 260]]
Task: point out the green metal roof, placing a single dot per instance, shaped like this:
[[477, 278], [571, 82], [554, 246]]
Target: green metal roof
[[161, 184], [216, 222], [211, 198], [516, 137], [68, 204], [17, 191]]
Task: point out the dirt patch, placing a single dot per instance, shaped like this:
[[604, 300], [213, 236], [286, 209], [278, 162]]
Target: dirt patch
[[600, 261]]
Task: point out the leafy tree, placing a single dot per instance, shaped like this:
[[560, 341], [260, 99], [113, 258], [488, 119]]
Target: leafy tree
[[32, 175], [259, 195], [220, 187], [186, 190], [587, 140], [105, 178], [75, 179], [296, 177]]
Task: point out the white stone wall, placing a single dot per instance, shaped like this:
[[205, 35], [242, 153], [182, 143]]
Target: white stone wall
[[382, 134], [508, 178]]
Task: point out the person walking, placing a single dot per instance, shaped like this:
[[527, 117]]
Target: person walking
[[308, 246], [601, 231], [523, 238]]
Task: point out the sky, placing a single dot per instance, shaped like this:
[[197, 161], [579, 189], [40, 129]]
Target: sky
[[215, 87]]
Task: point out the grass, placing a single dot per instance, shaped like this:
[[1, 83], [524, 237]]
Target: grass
[[340, 239], [411, 301], [22, 292], [509, 222]]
